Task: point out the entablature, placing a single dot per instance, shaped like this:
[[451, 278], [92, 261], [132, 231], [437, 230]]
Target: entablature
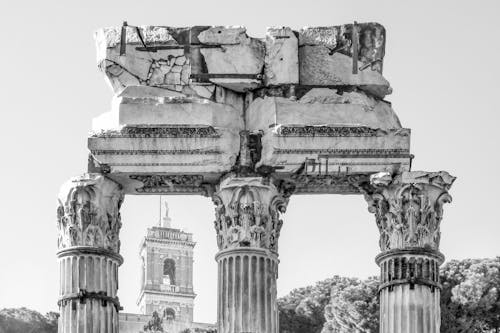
[[193, 105]]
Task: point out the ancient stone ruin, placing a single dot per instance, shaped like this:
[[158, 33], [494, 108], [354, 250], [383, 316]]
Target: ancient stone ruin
[[250, 122]]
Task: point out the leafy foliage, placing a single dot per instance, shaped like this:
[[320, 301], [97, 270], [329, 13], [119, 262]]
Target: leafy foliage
[[23, 320], [303, 310], [354, 307], [470, 299]]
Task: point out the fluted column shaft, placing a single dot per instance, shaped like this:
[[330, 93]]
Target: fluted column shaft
[[88, 225], [247, 291], [89, 283], [248, 226], [408, 210]]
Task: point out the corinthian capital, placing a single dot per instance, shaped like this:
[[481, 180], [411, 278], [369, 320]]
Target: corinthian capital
[[409, 207], [89, 213], [248, 213]]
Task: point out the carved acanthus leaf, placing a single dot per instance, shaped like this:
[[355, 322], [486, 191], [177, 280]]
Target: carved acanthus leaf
[[89, 213], [248, 212], [409, 208]]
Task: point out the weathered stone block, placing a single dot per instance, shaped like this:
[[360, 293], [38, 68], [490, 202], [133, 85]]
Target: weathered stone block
[[181, 95], [325, 131], [318, 67], [349, 55], [162, 63], [223, 35], [153, 106], [156, 130], [322, 106], [238, 61], [176, 58], [169, 57], [364, 40], [281, 61]]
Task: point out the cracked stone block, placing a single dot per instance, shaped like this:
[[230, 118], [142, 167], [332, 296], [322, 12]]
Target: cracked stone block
[[151, 129], [318, 67], [185, 99], [205, 91], [281, 60], [223, 35], [150, 66], [173, 58], [222, 55], [441, 178], [238, 65], [370, 41], [322, 106], [324, 122], [153, 106], [327, 56], [110, 37]]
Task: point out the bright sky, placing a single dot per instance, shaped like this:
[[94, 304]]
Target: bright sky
[[441, 59]]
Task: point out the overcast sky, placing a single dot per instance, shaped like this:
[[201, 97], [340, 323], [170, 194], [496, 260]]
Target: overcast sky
[[441, 59]]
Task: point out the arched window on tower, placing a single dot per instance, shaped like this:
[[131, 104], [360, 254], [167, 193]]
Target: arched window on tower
[[169, 272], [169, 314]]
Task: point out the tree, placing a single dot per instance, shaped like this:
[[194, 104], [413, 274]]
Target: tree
[[303, 310], [470, 299], [23, 320], [353, 306]]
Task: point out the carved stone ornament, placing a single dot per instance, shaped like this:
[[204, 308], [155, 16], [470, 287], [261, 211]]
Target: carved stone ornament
[[159, 132], [89, 213], [409, 207], [248, 213], [318, 182], [331, 131], [167, 183]]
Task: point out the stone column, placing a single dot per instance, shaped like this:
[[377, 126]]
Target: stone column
[[248, 226], [408, 210], [88, 222]]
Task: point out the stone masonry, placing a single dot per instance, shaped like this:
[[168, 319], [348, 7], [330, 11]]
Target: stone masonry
[[249, 122]]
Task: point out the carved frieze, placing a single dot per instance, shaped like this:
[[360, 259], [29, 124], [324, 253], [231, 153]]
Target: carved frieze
[[386, 153], [89, 213], [160, 132], [318, 182], [408, 208], [330, 131], [248, 213], [169, 183], [157, 152]]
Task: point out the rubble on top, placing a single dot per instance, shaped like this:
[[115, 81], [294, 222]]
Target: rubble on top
[[195, 59]]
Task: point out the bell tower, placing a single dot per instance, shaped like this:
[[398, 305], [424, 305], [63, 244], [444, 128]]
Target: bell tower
[[167, 271]]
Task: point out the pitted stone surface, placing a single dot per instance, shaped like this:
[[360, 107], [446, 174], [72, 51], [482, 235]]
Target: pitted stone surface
[[223, 35], [203, 101], [318, 67], [174, 58], [282, 58], [370, 41]]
